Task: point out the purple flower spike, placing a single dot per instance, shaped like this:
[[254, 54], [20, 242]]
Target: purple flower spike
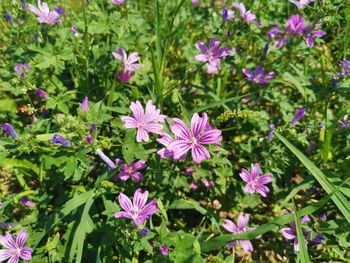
[[125, 76], [41, 93], [145, 121], [9, 19], [164, 250], [248, 16], [25, 201], [8, 129], [194, 138], [290, 233], [137, 210], [14, 249], [241, 227], [44, 15], [105, 159], [211, 55], [85, 104], [344, 122], [301, 3], [298, 115], [132, 170], [257, 76], [57, 139], [255, 180]]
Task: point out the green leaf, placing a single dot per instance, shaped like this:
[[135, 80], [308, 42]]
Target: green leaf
[[304, 256], [338, 198], [187, 204]]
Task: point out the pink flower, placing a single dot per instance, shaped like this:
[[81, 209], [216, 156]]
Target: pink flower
[[84, 106], [144, 121], [137, 210], [166, 140], [193, 139], [257, 76], [255, 180], [242, 222], [129, 62], [25, 201], [44, 14], [132, 170], [15, 249], [290, 233], [212, 54], [117, 2], [248, 16], [164, 250], [125, 76]]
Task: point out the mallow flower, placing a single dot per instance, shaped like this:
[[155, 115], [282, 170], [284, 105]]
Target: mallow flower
[[137, 210], [255, 180], [241, 227], [199, 134], [145, 121], [258, 75], [211, 54], [14, 248], [301, 3], [132, 170], [247, 15], [290, 233], [129, 62], [44, 15]]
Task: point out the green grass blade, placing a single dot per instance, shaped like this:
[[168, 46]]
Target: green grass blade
[[272, 225], [304, 256], [338, 198]]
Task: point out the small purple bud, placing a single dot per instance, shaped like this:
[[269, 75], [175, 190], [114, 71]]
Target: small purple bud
[[189, 171], [272, 129], [24, 6], [266, 48], [298, 114], [208, 184], [164, 250], [59, 10], [74, 30], [41, 93], [116, 161], [125, 77], [323, 217], [195, 92], [318, 239], [320, 125], [143, 232], [105, 159], [88, 139], [8, 129], [93, 128], [25, 201], [85, 104], [344, 122], [9, 19], [57, 139], [194, 186]]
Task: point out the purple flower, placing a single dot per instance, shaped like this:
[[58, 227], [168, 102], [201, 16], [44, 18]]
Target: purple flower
[[290, 233], [117, 2], [257, 76], [345, 68], [344, 122], [9, 19], [132, 170], [301, 3], [129, 62], [93, 128], [138, 210], [194, 186], [22, 68], [266, 49], [212, 54], [310, 34], [248, 16], [144, 231], [227, 15], [281, 37], [189, 171], [295, 25], [84, 106], [318, 238], [25, 201], [323, 217], [298, 114], [207, 184], [5, 225], [241, 227], [8, 129], [41, 93], [105, 158], [14, 250], [74, 30], [125, 76], [195, 3], [164, 250], [57, 139], [166, 140], [144, 121], [44, 15], [255, 180], [272, 129], [192, 139]]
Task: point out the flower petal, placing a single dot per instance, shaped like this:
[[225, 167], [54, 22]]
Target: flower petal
[[5, 254], [26, 253], [198, 124], [125, 202], [140, 199], [180, 129], [230, 226], [199, 153], [22, 238], [210, 137], [245, 175], [288, 233], [243, 220], [179, 148], [247, 246]]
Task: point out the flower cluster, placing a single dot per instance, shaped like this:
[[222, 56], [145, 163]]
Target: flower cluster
[[129, 64]]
